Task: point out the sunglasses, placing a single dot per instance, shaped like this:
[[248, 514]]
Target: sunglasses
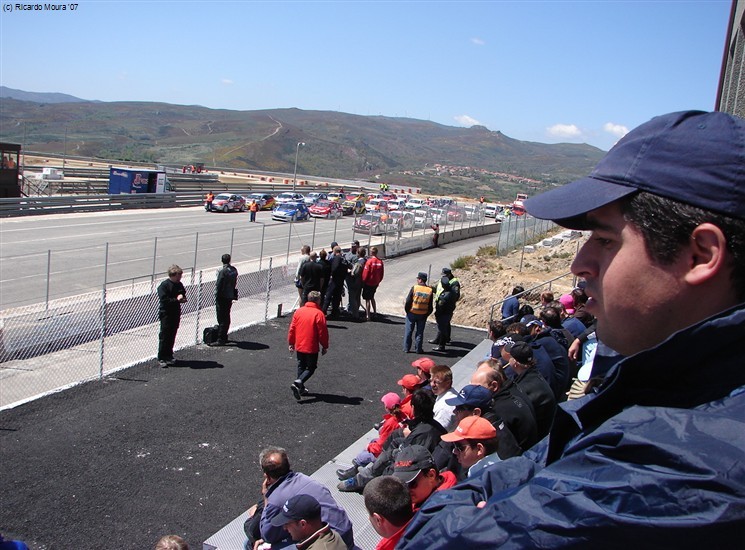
[[460, 447]]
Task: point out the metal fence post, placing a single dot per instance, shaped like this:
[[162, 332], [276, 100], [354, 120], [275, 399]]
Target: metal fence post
[[268, 291], [232, 239], [199, 308], [499, 236], [103, 333], [196, 250], [313, 239], [289, 239], [261, 253], [49, 268], [155, 257]]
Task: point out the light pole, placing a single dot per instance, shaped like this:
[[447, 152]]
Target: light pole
[[297, 152]]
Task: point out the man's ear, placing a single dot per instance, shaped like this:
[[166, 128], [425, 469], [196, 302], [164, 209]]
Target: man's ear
[[707, 254]]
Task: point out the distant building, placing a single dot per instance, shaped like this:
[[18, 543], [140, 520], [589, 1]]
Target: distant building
[[731, 91]]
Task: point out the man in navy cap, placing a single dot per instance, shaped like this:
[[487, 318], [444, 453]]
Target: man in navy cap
[[656, 454], [300, 516]]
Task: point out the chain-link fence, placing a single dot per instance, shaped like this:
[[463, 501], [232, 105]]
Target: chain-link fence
[[51, 346]]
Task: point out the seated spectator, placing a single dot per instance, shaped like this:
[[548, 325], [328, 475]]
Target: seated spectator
[[511, 306], [474, 400], [423, 366], [388, 504], [442, 386], [550, 317], [301, 518], [546, 298], [509, 403], [168, 542], [475, 444], [532, 384], [423, 430], [416, 468], [392, 420], [567, 302], [280, 484], [559, 375], [409, 384]]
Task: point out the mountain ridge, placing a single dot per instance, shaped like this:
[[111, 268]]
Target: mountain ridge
[[399, 150]]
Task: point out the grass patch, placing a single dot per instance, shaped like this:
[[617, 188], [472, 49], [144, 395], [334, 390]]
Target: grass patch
[[487, 251], [462, 262]]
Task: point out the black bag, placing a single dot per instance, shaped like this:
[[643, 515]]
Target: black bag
[[211, 334]]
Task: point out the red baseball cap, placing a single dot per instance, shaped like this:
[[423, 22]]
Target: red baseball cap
[[424, 363], [471, 427], [410, 382]]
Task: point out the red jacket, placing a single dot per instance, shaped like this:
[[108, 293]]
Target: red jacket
[[391, 422], [308, 329]]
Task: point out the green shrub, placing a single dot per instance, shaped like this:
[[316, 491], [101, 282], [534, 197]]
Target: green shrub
[[487, 251], [462, 262]]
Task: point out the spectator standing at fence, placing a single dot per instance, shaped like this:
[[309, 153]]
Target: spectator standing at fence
[[171, 294], [304, 257], [308, 333], [418, 306], [372, 276], [226, 292], [355, 288]]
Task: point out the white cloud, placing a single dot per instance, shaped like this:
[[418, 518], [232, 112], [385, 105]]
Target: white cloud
[[617, 130], [465, 120], [227, 82], [477, 41], [564, 131]]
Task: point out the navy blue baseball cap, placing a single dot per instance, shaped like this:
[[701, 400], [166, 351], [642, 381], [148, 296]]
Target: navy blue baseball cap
[[693, 157], [471, 395]]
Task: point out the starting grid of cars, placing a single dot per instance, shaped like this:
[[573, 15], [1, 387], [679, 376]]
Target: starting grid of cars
[[375, 213]]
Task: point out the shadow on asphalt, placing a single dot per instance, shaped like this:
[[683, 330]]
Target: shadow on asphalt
[[384, 320], [331, 398], [253, 346], [196, 365]]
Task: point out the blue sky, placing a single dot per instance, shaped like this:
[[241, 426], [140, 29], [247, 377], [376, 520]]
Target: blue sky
[[550, 71]]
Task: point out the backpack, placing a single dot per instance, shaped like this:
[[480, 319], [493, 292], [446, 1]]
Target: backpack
[[373, 272], [210, 335]]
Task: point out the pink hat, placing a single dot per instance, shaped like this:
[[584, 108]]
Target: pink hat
[[568, 302], [390, 400]]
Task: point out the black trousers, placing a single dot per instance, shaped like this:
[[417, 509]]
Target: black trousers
[[307, 363], [333, 297], [443, 326], [222, 307], [169, 324]]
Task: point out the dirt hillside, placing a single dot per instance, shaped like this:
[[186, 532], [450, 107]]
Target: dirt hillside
[[487, 278]]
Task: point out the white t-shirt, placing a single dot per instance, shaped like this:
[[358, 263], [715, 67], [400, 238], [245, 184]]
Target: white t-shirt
[[444, 413]]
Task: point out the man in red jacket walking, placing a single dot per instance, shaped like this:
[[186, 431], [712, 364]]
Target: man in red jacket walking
[[308, 332]]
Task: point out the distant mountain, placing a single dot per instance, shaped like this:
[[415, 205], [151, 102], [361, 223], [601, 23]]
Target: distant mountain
[[401, 151], [38, 97]]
